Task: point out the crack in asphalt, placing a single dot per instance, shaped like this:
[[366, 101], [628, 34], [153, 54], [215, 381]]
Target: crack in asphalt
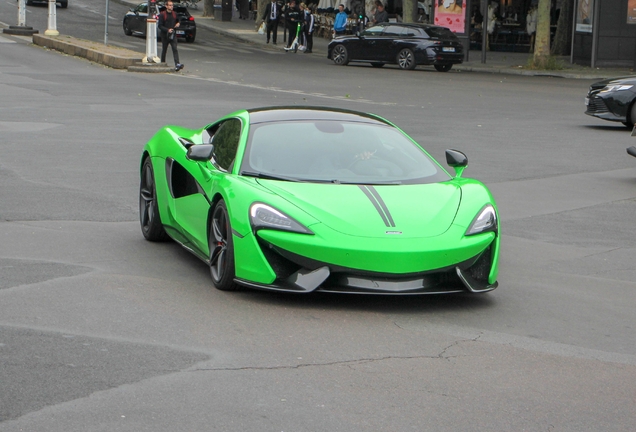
[[441, 355]]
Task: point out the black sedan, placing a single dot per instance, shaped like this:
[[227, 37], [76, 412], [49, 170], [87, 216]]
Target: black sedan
[[135, 22], [613, 99], [63, 3], [407, 45]]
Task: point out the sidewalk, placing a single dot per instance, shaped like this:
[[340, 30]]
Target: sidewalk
[[496, 62]]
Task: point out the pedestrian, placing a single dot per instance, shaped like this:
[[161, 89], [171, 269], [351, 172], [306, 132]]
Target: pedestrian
[[310, 21], [271, 18], [293, 19], [380, 15], [167, 24], [340, 23]]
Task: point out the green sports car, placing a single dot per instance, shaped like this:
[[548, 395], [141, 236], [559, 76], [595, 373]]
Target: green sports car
[[303, 199]]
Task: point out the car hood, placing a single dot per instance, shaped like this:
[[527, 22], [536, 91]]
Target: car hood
[[413, 211], [617, 80]]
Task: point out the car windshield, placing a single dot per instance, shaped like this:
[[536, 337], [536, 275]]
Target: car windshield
[[338, 152]]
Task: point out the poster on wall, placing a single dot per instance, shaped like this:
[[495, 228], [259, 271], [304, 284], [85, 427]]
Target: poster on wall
[[631, 12], [450, 13], [584, 15]]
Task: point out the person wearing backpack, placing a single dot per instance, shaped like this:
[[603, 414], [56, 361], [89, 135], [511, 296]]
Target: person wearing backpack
[[168, 22]]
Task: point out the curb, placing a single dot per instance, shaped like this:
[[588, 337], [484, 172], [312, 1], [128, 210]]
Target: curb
[[89, 50]]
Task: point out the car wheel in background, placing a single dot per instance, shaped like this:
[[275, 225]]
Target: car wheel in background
[[340, 55], [151, 226], [631, 116], [64, 4], [377, 65], [127, 31], [443, 67], [222, 249], [406, 59]]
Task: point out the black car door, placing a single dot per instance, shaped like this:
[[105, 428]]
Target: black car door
[[138, 23], [388, 44], [367, 46]]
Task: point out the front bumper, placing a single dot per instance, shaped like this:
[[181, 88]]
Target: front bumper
[[612, 106]]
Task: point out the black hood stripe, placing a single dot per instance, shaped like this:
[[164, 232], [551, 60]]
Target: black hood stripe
[[379, 204]]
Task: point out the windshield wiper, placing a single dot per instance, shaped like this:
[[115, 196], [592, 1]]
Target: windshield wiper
[[268, 176]]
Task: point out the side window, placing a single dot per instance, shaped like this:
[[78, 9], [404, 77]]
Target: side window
[[373, 31], [143, 8], [393, 30], [226, 140]]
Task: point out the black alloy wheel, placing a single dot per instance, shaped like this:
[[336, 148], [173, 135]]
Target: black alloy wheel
[[443, 67], [377, 65], [221, 245], [340, 55], [127, 31], [151, 226], [406, 59]]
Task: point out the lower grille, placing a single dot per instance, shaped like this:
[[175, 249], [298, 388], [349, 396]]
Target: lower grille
[[597, 106]]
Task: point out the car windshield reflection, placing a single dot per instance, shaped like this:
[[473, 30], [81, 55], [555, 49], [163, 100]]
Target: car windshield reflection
[[337, 152]]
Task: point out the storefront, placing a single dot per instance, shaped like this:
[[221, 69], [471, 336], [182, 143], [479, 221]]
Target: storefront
[[605, 33]]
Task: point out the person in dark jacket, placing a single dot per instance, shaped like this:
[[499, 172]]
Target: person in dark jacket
[[167, 23], [293, 18], [271, 18], [308, 28]]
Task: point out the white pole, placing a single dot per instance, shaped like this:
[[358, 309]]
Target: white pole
[[21, 13], [52, 30], [151, 41]]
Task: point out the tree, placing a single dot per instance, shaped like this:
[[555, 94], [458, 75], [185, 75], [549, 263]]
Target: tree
[[542, 40], [563, 37], [208, 8], [409, 11]]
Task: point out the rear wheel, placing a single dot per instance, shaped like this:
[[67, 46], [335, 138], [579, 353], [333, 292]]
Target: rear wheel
[[151, 226], [221, 245], [127, 31], [406, 59], [377, 65], [64, 4], [443, 67], [340, 55]]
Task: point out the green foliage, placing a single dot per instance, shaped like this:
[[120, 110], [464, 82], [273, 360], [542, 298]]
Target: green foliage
[[545, 63]]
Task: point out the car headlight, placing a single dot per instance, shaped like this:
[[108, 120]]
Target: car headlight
[[486, 220], [616, 87], [263, 216]]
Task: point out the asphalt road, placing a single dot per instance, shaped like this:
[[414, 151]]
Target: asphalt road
[[101, 330]]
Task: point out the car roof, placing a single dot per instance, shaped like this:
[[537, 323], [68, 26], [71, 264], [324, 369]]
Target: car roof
[[293, 113]]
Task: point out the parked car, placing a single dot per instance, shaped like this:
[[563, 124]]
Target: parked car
[[613, 99], [135, 22], [63, 3], [407, 45], [304, 199]]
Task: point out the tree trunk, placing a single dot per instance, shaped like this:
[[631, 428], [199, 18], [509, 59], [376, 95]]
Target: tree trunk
[[260, 9], [208, 8], [542, 41], [563, 37], [409, 11]]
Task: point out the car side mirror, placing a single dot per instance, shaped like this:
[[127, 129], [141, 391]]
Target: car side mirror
[[457, 160], [200, 152]]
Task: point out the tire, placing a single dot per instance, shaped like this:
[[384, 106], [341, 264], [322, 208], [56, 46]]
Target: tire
[[443, 67], [631, 116], [127, 31], [340, 55], [377, 65], [221, 244], [151, 226], [64, 4], [29, 3], [406, 59]]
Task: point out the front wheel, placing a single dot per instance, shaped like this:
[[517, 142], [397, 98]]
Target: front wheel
[[631, 116], [340, 55], [406, 59], [151, 226], [443, 67], [127, 31], [221, 246]]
